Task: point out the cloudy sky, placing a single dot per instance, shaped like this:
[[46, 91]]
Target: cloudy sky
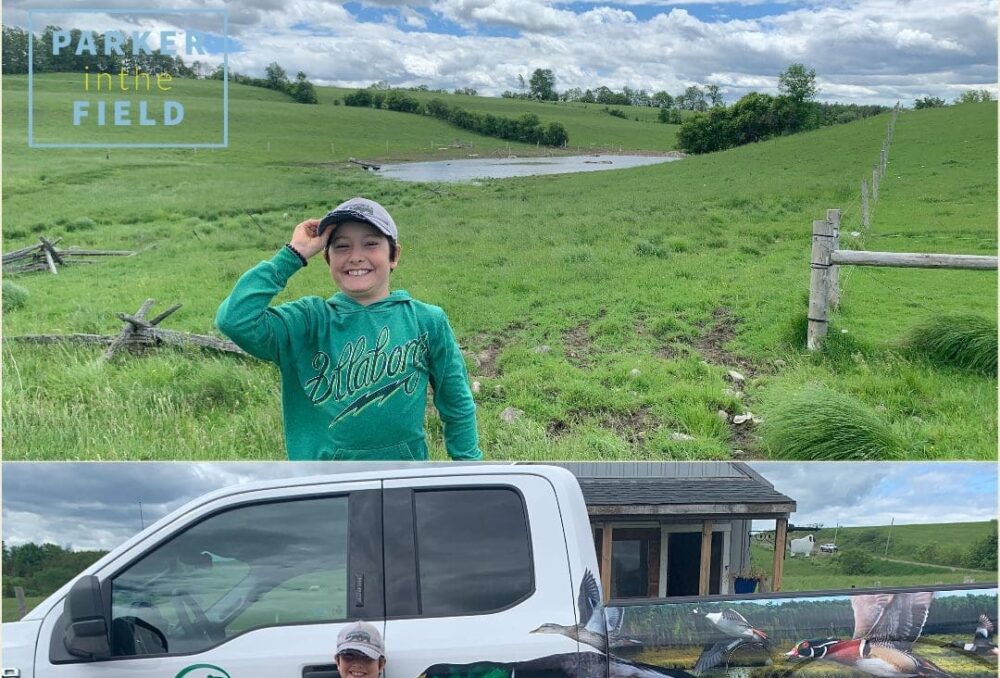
[[863, 51], [97, 505]]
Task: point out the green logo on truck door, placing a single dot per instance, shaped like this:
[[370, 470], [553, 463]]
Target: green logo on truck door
[[203, 671]]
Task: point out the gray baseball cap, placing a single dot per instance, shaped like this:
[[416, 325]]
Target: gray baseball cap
[[361, 637], [360, 209]]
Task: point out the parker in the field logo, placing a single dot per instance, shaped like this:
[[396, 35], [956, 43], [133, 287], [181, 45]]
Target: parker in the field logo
[[129, 88]]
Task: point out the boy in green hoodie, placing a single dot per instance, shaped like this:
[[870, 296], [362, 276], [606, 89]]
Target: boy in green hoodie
[[354, 367]]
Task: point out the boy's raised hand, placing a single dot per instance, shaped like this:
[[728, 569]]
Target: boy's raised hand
[[304, 238]]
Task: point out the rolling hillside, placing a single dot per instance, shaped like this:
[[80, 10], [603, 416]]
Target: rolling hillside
[[607, 307]]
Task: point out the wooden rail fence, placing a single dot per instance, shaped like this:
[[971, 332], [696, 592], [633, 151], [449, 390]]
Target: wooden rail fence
[[827, 257], [45, 256]]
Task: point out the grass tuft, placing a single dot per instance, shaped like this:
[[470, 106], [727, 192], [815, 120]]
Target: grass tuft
[[817, 423], [14, 296], [965, 341]]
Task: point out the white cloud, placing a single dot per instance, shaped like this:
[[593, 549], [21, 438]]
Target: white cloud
[[873, 493], [527, 15], [865, 51], [412, 18]]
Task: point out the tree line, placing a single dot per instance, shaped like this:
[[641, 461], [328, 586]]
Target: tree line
[[15, 56], [15, 61], [527, 128], [41, 569], [673, 624], [757, 116], [972, 96], [541, 86]]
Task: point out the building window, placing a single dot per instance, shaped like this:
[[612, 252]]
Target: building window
[[635, 562]]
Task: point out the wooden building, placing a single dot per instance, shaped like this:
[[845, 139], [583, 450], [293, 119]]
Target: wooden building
[[666, 529]]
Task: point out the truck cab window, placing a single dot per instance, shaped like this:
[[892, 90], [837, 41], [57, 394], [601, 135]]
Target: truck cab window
[[248, 567], [473, 550]]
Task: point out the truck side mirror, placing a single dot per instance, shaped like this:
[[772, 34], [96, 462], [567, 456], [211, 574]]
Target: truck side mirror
[[86, 634]]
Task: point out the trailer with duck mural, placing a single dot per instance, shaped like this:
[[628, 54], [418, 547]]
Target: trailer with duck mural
[[469, 572]]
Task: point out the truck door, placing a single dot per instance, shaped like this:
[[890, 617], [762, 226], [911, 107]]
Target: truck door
[[256, 586], [474, 567]]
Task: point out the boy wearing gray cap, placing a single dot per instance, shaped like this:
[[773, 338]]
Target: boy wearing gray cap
[[354, 367], [360, 651]]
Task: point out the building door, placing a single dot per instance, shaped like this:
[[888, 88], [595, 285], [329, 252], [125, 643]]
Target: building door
[[684, 563]]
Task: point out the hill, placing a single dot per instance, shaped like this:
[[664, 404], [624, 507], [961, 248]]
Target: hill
[[608, 307], [918, 554]]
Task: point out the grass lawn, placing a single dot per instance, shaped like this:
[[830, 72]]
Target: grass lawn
[[608, 307], [10, 606], [820, 571]]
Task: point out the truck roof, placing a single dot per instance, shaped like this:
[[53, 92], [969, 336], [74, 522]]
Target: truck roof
[[564, 483]]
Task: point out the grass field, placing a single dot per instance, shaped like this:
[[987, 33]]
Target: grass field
[[820, 571], [10, 606], [647, 285]]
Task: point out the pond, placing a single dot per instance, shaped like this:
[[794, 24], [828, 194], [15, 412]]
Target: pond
[[501, 168]]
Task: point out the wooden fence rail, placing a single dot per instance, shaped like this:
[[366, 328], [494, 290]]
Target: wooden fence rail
[[827, 257]]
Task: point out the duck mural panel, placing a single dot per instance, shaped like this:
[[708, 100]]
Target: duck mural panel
[[901, 634]]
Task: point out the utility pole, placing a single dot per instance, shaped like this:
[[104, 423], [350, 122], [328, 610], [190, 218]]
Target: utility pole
[[888, 536], [142, 523], [835, 532]]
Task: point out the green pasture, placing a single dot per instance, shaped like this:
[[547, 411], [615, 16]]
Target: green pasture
[[590, 126], [906, 541], [10, 606], [820, 571], [608, 307]]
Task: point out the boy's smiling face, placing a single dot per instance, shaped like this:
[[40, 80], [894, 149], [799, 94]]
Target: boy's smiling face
[[360, 261], [356, 665]]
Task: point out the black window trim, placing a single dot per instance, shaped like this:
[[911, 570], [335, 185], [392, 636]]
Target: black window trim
[[416, 550], [59, 656]]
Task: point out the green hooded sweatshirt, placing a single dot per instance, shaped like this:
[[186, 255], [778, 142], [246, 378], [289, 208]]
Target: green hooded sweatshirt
[[353, 377]]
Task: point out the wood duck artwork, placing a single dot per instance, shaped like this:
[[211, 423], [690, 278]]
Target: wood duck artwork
[[885, 628]]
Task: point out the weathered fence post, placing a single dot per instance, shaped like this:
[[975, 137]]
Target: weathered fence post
[[865, 219], [885, 160], [819, 281], [22, 605], [128, 330], [875, 184], [833, 216]]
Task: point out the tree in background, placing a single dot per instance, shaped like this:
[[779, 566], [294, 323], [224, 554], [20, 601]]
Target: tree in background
[[670, 116], [714, 96], [856, 561], [929, 102], [543, 85], [276, 77], [693, 99], [975, 96], [41, 569], [663, 100], [302, 90], [15, 50], [798, 83], [982, 554]]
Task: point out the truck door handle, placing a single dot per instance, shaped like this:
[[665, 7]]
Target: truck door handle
[[359, 590], [320, 671]]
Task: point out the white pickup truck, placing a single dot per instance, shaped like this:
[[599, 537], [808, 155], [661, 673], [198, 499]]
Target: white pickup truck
[[470, 572]]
